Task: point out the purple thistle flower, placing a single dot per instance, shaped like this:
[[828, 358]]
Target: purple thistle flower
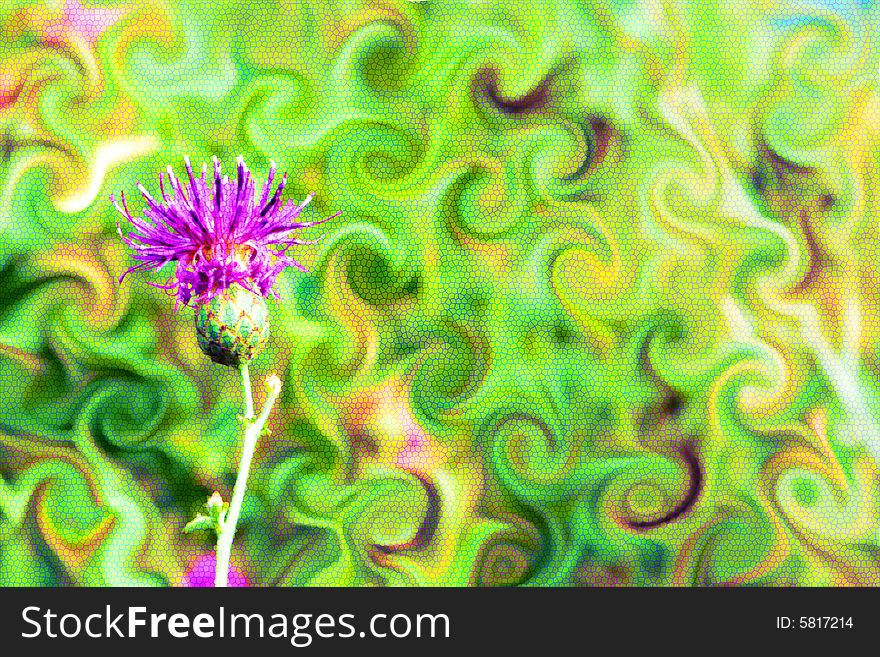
[[216, 233]]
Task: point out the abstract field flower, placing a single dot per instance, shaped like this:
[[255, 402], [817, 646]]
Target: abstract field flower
[[601, 309], [215, 233]]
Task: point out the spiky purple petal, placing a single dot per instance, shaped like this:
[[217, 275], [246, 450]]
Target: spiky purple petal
[[215, 233]]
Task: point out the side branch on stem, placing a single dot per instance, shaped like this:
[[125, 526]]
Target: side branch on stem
[[253, 429]]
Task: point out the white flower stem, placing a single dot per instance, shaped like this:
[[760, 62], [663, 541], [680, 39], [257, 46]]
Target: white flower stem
[[253, 428], [247, 391]]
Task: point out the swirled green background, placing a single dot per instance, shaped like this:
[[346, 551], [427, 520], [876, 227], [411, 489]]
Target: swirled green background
[[601, 309]]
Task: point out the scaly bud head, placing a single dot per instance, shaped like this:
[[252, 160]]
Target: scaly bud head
[[232, 327]]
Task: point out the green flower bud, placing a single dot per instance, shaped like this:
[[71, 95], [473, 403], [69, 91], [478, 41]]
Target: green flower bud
[[233, 327]]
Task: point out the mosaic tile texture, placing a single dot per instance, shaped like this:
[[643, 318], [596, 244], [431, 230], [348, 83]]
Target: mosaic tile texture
[[601, 307]]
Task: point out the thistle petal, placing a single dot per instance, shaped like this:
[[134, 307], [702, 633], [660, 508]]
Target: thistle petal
[[217, 233]]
